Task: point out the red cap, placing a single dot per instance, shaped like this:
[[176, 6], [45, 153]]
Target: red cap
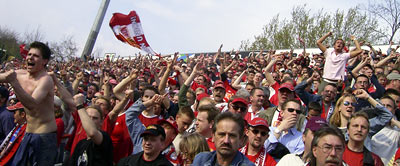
[[202, 86], [287, 86], [15, 107], [241, 100], [242, 64], [219, 84], [259, 122], [202, 95], [171, 81], [170, 121]]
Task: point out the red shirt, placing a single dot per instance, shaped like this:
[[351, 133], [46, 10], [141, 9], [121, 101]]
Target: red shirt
[[60, 130], [122, 143], [356, 158], [211, 144], [149, 120], [267, 160]]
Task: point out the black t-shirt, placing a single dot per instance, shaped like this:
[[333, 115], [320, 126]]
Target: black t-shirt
[[137, 159], [87, 153]]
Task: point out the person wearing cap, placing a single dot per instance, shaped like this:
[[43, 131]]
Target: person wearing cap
[[218, 94], [284, 130], [153, 141], [254, 150], [238, 105], [6, 117], [171, 131], [204, 122], [9, 146], [394, 81], [326, 99], [228, 134], [313, 125]]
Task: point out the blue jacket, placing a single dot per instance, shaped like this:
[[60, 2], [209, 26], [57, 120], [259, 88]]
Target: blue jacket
[[209, 159], [135, 126]]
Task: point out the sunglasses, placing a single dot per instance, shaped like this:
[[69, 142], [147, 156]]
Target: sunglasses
[[242, 109], [292, 109], [346, 103], [263, 133]]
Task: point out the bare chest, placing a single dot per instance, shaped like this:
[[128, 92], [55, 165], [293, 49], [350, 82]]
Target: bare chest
[[28, 84]]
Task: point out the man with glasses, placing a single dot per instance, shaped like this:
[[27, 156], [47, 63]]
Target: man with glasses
[[327, 148], [363, 82], [285, 131], [355, 152], [254, 150]]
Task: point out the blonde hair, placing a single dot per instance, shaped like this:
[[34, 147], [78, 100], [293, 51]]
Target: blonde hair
[[335, 119], [193, 144]]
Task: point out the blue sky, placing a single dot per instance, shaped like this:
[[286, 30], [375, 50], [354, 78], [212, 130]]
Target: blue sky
[[169, 25]]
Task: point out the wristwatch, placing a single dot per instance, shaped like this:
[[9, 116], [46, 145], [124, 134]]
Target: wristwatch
[[277, 131]]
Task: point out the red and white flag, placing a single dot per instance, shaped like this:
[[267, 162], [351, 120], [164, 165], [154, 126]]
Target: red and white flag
[[128, 29]]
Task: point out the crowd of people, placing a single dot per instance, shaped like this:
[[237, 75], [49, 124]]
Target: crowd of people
[[336, 107]]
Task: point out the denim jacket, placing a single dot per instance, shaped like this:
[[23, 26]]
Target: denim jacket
[[208, 159], [135, 126]]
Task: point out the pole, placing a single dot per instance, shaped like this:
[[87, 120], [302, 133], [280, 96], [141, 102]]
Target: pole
[[95, 30]]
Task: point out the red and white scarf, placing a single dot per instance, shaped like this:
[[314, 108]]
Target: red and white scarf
[[261, 155]]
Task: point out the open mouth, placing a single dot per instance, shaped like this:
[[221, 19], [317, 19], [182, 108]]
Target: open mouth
[[30, 64]]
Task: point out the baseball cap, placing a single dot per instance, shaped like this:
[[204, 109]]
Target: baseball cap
[[15, 107], [219, 84], [315, 123], [393, 76], [154, 130], [242, 64], [259, 122], [287, 86], [202, 95], [240, 100], [170, 121]]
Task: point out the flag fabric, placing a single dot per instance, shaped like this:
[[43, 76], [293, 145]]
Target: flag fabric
[[128, 29], [22, 51], [184, 57]]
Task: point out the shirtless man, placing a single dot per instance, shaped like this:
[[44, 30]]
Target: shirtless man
[[34, 88]]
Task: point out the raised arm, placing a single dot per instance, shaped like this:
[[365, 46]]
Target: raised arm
[[358, 50], [65, 96], [385, 60], [75, 83], [113, 114], [320, 45], [119, 89], [236, 83], [164, 79], [360, 65]]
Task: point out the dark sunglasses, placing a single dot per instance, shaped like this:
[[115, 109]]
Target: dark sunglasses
[[263, 133], [292, 109], [346, 103], [242, 109]]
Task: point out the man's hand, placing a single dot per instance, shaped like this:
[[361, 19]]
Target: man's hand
[[11, 76], [288, 123], [79, 76], [361, 93], [329, 34], [129, 94], [79, 99], [352, 37]]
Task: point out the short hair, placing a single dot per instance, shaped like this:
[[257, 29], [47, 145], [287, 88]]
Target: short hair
[[95, 86], [151, 88], [392, 92], [315, 106], [186, 111], [250, 84], [254, 90], [331, 84], [212, 112], [324, 131], [266, 92], [237, 118], [284, 105], [389, 98], [363, 75], [288, 80], [107, 101], [243, 93], [192, 144], [98, 109], [358, 115], [44, 49]]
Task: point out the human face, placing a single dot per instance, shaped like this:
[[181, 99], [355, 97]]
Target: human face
[[249, 88], [183, 122], [257, 140], [329, 93], [329, 151], [275, 76], [147, 95], [258, 78], [313, 113], [257, 98], [307, 138], [35, 61], [170, 133], [368, 72], [382, 81], [19, 117], [91, 91], [103, 105], [347, 111], [152, 144], [175, 99], [200, 80], [219, 94], [378, 71], [358, 129], [291, 106], [237, 108], [95, 116], [339, 44], [203, 126], [285, 94], [389, 105], [362, 83], [227, 138], [250, 77]]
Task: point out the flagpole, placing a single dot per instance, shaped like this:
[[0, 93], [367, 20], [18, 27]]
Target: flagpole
[[95, 30]]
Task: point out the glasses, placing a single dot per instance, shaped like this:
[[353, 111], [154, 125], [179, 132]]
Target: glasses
[[328, 148], [347, 103], [263, 133], [292, 109], [242, 109]]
